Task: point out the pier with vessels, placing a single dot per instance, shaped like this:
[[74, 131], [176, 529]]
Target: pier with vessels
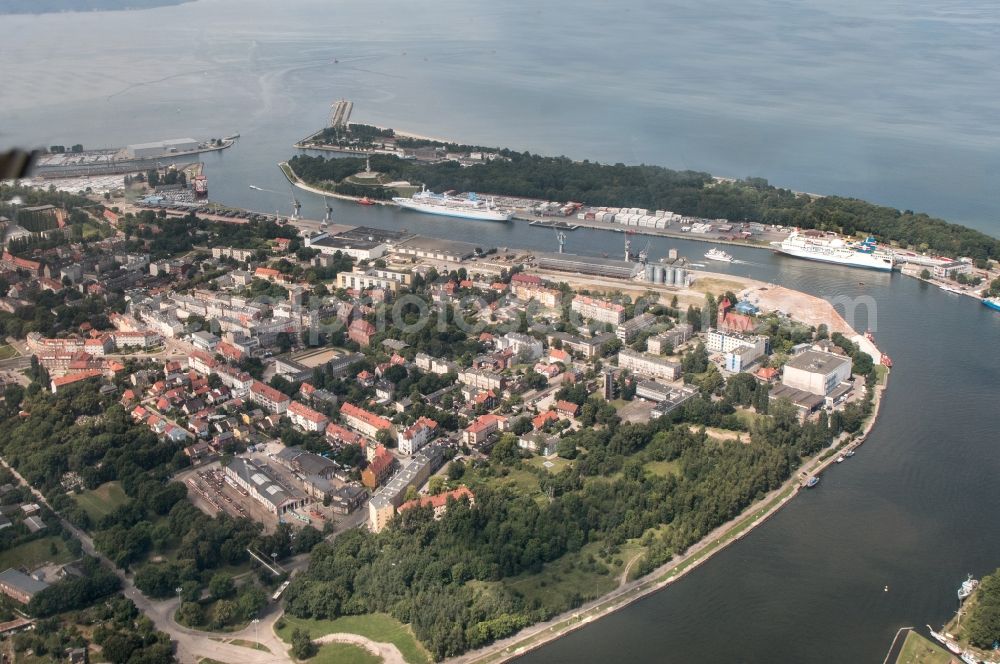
[[129, 159]]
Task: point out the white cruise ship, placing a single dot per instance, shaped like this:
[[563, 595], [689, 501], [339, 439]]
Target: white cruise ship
[[718, 255], [470, 207], [865, 254]]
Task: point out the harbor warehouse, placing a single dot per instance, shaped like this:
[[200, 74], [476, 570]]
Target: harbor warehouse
[[816, 372], [143, 150]]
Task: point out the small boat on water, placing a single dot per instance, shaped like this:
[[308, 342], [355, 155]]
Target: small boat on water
[[811, 482], [364, 200], [255, 187], [718, 255], [840, 459], [967, 588], [849, 453], [968, 658]]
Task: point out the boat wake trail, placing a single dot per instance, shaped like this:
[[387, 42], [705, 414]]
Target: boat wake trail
[[269, 191]]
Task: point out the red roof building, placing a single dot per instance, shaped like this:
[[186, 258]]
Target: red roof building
[[766, 374], [361, 420], [229, 351], [529, 279], [542, 419], [379, 469], [342, 435], [305, 417], [268, 397], [70, 378], [440, 502], [360, 331], [730, 321], [417, 435], [482, 428], [567, 408]]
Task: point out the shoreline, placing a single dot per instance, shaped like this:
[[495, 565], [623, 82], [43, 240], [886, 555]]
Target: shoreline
[[540, 634], [296, 181]]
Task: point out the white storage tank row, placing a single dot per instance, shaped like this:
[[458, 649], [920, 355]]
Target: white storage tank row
[[667, 275]]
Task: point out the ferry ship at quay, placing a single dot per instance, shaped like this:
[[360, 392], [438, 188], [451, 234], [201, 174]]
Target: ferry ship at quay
[[470, 207], [865, 254]]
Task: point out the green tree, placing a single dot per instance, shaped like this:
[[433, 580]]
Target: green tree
[[302, 645], [221, 586], [983, 625], [191, 614], [506, 451], [456, 470], [566, 448]]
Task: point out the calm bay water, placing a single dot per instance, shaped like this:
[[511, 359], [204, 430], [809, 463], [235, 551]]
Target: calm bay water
[[893, 102]]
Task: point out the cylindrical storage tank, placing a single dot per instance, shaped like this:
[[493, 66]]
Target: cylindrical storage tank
[[668, 277], [680, 277], [651, 274], [661, 274]]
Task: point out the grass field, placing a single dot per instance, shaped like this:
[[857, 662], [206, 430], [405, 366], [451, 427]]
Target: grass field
[[102, 500], [918, 650], [723, 434], [522, 480], [558, 463], [748, 417], [716, 286], [375, 626], [566, 577], [344, 653], [7, 351], [664, 468], [35, 553]]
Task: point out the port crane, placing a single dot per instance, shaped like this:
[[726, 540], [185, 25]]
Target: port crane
[[328, 217], [644, 254]]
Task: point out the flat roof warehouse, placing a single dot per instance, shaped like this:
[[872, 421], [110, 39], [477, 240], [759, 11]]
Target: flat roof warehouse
[[604, 267]]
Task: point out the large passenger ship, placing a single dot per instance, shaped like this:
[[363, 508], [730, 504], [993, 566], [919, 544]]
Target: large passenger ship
[[469, 207], [865, 254]]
